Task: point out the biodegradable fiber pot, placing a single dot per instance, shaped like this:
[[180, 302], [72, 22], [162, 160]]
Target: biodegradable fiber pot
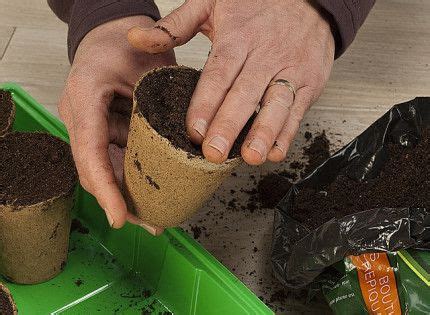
[[7, 305], [164, 183], [7, 112], [37, 182]]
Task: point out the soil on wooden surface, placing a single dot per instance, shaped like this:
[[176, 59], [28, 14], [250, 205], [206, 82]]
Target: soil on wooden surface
[[6, 107], [163, 98], [272, 188], [34, 167], [404, 181], [6, 307], [317, 152]]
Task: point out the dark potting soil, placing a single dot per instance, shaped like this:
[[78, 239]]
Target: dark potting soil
[[6, 107], [317, 152], [77, 226], [404, 181], [308, 135], [79, 282], [34, 167], [272, 188], [296, 165], [290, 175], [163, 98], [197, 231], [6, 307]]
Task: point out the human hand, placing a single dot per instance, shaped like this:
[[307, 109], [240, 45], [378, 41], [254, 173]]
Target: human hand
[[105, 65], [253, 43]]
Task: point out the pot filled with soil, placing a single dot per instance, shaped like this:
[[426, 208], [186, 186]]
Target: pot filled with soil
[[166, 178], [37, 183], [7, 305], [7, 112], [373, 195]]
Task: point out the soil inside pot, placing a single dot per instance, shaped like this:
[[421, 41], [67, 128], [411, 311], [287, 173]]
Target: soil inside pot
[[6, 307], [6, 107], [34, 167], [404, 181], [163, 98]]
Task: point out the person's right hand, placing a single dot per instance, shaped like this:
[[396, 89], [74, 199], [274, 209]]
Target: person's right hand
[[105, 65]]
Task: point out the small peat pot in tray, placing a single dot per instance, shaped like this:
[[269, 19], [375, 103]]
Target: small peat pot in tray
[[372, 195], [37, 182]]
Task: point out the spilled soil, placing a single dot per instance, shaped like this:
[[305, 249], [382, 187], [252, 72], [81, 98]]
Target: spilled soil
[[404, 181]]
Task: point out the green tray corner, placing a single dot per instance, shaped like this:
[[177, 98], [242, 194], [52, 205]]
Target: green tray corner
[[126, 271]]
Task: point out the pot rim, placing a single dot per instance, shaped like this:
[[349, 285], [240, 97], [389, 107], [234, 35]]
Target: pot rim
[[10, 121], [10, 298], [18, 208]]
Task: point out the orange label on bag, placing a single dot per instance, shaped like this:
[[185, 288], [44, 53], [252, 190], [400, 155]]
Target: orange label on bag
[[377, 283]]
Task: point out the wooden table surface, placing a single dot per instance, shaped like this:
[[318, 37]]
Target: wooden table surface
[[388, 63]]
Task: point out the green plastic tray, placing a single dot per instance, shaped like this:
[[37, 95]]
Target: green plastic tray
[[127, 271]]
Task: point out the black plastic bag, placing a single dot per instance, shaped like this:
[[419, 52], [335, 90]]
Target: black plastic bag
[[299, 255]]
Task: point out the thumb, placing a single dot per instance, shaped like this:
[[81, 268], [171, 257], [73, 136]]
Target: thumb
[[175, 29]]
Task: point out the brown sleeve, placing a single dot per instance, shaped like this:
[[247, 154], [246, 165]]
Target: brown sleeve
[[84, 15], [347, 16]]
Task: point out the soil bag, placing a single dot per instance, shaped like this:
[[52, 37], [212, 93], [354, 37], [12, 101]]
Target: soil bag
[[380, 283], [300, 254]]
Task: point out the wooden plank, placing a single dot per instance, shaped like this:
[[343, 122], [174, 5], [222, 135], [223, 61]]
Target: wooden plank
[[387, 63], [6, 33], [29, 13], [194, 53], [44, 82], [34, 45]]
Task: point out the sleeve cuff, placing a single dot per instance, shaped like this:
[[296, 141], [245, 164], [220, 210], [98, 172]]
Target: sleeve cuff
[[346, 17], [87, 15]]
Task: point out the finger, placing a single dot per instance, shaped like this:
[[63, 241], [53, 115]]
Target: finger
[[118, 129], [154, 230], [214, 83], [90, 121], [175, 29], [238, 106], [116, 155], [292, 124], [64, 111], [274, 111]]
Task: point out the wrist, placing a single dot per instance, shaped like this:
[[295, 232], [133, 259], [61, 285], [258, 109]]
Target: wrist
[[115, 30], [328, 18]]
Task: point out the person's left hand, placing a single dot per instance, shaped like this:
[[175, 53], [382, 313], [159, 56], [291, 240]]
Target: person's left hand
[[253, 43]]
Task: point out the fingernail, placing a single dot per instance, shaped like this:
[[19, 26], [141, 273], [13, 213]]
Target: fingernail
[[219, 143], [152, 230], [258, 146], [201, 126], [109, 218], [279, 147]]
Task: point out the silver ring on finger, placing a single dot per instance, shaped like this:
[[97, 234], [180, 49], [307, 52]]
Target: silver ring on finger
[[285, 83]]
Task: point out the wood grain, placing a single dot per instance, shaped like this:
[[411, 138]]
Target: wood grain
[[6, 33]]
